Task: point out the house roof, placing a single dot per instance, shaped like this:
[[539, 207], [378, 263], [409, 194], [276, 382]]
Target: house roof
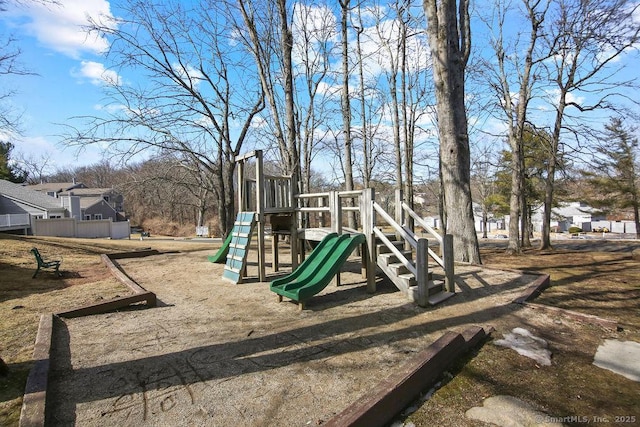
[[87, 202], [23, 194], [573, 209], [86, 192], [56, 186]]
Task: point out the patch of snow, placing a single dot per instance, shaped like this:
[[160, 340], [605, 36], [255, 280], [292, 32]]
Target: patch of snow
[[509, 411], [621, 357], [527, 344]]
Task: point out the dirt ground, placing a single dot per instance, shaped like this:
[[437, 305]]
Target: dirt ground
[[216, 353]]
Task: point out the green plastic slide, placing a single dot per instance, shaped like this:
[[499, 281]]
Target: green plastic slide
[[220, 257], [315, 273]]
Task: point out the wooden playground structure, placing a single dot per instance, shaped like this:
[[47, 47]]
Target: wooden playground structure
[[400, 252]]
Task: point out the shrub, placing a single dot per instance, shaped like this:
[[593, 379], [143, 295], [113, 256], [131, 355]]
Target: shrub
[[575, 230]]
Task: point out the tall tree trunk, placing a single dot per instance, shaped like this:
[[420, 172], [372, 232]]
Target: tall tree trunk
[[515, 206], [366, 167], [408, 141], [286, 44], [346, 108], [549, 185], [449, 39], [395, 117]]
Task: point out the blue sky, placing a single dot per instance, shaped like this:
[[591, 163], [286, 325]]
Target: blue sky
[[69, 74]]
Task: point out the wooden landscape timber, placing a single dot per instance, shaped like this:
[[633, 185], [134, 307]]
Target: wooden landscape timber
[[35, 396]]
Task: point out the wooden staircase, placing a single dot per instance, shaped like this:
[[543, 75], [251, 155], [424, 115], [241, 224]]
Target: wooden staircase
[[404, 279]]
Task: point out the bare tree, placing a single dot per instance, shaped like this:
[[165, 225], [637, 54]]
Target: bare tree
[[513, 72], [484, 188], [449, 35], [369, 116], [391, 41], [314, 29], [585, 40], [269, 39], [192, 104]]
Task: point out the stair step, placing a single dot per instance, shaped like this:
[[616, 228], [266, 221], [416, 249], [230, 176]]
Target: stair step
[[390, 258], [399, 268], [439, 297], [383, 249], [408, 278], [434, 299], [434, 287]]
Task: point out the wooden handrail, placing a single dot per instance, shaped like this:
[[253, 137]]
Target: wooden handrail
[[395, 251], [408, 237], [421, 222]]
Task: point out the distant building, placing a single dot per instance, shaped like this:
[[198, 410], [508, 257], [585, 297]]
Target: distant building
[[567, 215], [20, 206], [92, 203]]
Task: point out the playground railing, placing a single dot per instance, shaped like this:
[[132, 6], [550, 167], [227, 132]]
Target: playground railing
[[278, 193], [419, 221], [446, 247], [446, 243], [331, 202], [379, 210]]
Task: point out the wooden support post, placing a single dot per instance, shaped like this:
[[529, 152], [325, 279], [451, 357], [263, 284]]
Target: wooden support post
[[275, 263], [321, 214], [260, 215], [294, 243], [447, 247], [336, 212], [363, 259], [422, 268], [293, 235], [241, 187], [368, 223], [399, 213]]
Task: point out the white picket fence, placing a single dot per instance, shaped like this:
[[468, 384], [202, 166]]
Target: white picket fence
[[70, 227]]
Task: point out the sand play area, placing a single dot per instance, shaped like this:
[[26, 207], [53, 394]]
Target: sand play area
[[218, 353]]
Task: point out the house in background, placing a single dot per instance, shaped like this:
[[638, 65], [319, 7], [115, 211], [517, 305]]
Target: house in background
[[567, 215], [99, 203], [94, 203], [20, 206], [54, 189]]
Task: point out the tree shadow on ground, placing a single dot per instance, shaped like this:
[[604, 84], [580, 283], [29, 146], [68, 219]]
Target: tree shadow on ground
[[176, 372]]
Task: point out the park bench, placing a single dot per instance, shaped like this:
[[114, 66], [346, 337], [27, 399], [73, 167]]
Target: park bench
[[42, 264]]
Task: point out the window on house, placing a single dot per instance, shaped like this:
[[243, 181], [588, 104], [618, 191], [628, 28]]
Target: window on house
[[87, 217], [97, 216]]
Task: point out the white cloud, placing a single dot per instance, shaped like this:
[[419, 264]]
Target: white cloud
[[554, 97], [97, 74], [188, 74], [41, 148], [62, 27], [330, 90]]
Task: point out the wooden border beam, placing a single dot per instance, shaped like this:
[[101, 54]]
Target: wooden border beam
[[113, 304], [32, 413], [395, 393]]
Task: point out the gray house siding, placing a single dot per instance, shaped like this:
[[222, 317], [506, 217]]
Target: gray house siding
[[100, 210]]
